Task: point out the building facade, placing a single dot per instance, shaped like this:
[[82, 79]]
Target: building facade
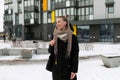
[[92, 20]]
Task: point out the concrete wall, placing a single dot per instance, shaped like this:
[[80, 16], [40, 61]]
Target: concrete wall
[[117, 8], [21, 18], [99, 9]]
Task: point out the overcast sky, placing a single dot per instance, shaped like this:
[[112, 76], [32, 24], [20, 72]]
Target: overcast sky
[[1, 14]]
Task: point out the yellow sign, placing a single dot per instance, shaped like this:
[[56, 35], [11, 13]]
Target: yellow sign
[[53, 16], [75, 29], [45, 5]]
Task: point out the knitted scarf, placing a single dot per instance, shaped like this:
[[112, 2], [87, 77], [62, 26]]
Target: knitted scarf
[[65, 36]]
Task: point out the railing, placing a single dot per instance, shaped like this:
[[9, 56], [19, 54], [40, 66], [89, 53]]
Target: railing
[[86, 46]]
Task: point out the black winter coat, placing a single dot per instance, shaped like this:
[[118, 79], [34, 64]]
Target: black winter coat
[[65, 65]]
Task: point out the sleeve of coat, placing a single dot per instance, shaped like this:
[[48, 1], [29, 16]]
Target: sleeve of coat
[[74, 54], [51, 48]]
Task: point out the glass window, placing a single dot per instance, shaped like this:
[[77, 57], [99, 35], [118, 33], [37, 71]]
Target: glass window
[[87, 2], [56, 12], [6, 7], [83, 33], [87, 17], [49, 20], [45, 17], [71, 18], [91, 10], [11, 17], [110, 9], [56, 0], [20, 7], [79, 3], [32, 15], [28, 3], [68, 11], [18, 31], [5, 18], [29, 15], [64, 12], [25, 3], [90, 17], [72, 3], [35, 2], [82, 3], [25, 15], [60, 12], [10, 6], [91, 2], [67, 3], [10, 11], [82, 17], [109, 1], [40, 18], [72, 11], [106, 33], [35, 15], [49, 17], [49, 5], [32, 2], [87, 11], [8, 17], [75, 11], [16, 19], [53, 5], [82, 11], [79, 11], [60, 0]]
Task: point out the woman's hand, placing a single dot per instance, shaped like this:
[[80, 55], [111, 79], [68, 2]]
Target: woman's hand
[[72, 75], [52, 42]]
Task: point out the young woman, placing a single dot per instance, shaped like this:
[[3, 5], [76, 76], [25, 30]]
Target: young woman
[[64, 49]]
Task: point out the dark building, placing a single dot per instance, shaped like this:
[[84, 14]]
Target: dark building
[[92, 20]]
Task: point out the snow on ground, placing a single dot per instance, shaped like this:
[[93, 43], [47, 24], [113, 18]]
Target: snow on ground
[[89, 69], [95, 70], [85, 49], [5, 45], [34, 57], [24, 72]]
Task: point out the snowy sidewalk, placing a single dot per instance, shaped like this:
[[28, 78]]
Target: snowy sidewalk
[[6, 60], [85, 49], [89, 69]]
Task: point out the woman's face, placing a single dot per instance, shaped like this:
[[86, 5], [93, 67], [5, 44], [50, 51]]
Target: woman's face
[[60, 24]]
